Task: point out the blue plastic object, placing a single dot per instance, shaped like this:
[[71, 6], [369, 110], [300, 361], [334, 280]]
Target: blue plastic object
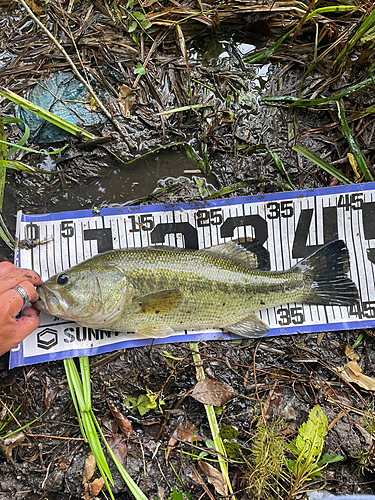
[[64, 96]]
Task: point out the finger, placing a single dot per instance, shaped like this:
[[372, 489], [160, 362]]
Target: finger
[[16, 276], [26, 324], [13, 301], [6, 267]]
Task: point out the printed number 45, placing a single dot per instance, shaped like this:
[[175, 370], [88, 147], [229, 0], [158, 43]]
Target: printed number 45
[[288, 315]]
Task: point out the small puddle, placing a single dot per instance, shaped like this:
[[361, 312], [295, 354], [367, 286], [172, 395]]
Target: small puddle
[[123, 184]]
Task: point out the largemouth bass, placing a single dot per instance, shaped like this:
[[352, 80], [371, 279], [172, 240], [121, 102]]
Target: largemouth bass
[[157, 290]]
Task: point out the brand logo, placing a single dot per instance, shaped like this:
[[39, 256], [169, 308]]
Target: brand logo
[[47, 338]]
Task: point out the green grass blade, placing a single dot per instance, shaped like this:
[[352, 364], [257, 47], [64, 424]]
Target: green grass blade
[[280, 166], [18, 165], [353, 145], [5, 234], [18, 146], [258, 56], [46, 115], [296, 102], [67, 366], [365, 27], [76, 383], [133, 487], [3, 168], [24, 426], [95, 445], [211, 416], [331, 8], [81, 388], [86, 382], [24, 138], [330, 169]]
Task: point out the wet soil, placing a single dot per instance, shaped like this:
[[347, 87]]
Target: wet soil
[[293, 374]]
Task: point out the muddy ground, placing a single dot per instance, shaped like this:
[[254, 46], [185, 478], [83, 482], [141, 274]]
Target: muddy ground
[[293, 374]]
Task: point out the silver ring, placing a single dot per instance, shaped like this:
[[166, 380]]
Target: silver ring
[[23, 293]]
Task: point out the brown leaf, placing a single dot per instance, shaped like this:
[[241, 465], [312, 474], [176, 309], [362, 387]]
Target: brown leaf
[[10, 443], [110, 423], [123, 422], [351, 354], [63, 463], [90, 465], [211, 392], [96, 486], [126, 100], [34, 7], [117, 443], [182, 45], [187, 432], [352, 373], [214, 477]]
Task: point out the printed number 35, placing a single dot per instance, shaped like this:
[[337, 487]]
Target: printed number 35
[[286, 315]]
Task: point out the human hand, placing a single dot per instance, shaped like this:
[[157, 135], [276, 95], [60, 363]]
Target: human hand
[[12, 330]]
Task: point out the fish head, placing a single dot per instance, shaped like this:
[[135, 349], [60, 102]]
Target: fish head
[[88, 295]]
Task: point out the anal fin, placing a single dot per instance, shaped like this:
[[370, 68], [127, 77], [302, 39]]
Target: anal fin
[[251, 327], [156, 331]]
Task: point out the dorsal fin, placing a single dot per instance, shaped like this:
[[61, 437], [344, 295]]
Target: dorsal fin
[[237, 252]]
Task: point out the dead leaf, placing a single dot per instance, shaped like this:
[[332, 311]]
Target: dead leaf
[[211, 392], [122, 422], [161, 493], [110, 423], [117, 443], [87, 492], [50, 393], [351, 354], [63, 463], [214, 477], [34, 7], [8, 444], [126, 100], [96, 486], [352, 373], [198, 480], [182, 45], [187, 432], [90, 465]]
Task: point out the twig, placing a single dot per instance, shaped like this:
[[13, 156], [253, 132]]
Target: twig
[[9, 411], [53, 437], [76, 72]]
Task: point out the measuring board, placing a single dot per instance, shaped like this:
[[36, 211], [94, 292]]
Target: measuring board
[[289, 226]]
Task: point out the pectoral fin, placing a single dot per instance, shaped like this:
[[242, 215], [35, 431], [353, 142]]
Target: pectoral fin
[[162, 301], [250, 327]]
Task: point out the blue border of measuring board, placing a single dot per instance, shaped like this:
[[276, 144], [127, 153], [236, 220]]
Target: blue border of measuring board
[[17, 358]]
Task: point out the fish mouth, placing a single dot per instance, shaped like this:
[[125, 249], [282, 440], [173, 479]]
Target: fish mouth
[[50, 302]]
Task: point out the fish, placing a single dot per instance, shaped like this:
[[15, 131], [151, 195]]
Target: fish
[[157, 290]]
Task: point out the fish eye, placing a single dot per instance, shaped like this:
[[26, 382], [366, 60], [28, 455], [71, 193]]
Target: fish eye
[[62, 279]]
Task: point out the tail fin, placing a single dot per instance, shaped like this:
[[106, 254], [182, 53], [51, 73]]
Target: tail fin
[[325, 278]]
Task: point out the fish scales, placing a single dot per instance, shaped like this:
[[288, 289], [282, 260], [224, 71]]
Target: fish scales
[[214, 288], [156, 290]]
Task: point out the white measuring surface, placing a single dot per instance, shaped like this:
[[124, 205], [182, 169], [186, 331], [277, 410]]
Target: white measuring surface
[[289, 226]]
